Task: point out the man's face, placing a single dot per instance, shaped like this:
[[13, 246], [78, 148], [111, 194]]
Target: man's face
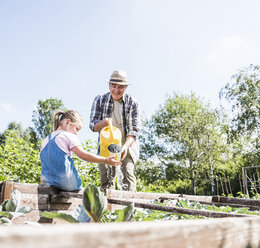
[[117, 91]]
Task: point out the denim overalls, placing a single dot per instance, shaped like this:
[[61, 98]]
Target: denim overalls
[[58, 167]]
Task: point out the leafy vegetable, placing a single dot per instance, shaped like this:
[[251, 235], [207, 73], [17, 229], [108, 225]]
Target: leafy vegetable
[[94, 202], [10, 208]]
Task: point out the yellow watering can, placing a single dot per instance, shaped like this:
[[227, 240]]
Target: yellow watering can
[[109, 135]]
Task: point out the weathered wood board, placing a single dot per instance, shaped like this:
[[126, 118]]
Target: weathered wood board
[[213, 233], [47, 198], [40, 197]]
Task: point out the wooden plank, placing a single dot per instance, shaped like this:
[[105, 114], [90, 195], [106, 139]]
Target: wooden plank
[[7, 188], [35, 201], [213, 233], [136, 195], [218, 204], [206, 213], [65, 199], [69, 195], [241, 201]]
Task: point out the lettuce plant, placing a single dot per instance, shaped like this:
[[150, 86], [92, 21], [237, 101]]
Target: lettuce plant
[[11, 208], [94, 209]]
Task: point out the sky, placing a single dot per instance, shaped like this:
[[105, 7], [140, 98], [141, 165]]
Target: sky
[[67, 50]]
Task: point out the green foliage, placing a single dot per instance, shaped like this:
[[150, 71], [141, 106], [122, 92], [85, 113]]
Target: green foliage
[[89, 172], [94, 208], [42, 117], [11, 208], [18, 131], [185, 138], [244, 95], [94, 202], [185, 203], [179, 186], [19, 160], [125, 214], [62, 216], [149, 172]]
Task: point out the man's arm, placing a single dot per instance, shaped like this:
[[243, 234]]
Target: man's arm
[[100, 124]]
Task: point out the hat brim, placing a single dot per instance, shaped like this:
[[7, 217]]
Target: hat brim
[[120, 83]]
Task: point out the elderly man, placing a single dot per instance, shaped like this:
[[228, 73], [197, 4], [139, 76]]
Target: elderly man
[[124, 111]]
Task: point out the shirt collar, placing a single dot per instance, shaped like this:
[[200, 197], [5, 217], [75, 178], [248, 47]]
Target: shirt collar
[[111, 99]]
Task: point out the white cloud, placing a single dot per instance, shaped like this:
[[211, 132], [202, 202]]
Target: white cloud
[[7, 107]]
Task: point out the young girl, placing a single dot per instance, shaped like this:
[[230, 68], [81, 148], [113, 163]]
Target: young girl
[[56, 151]]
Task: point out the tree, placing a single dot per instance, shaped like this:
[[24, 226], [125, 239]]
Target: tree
[[43, 117], [17, 129], [185, 133], [244, 96]]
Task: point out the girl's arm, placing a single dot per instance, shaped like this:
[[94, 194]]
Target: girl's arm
[[90, 157]]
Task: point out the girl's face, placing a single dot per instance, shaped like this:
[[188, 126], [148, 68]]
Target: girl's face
[[72, 127]]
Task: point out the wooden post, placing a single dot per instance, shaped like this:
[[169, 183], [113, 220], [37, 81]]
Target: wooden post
[[226, 184], [217, 187], [246, 182], [255, 184], [240, 184], [7, 188], [222, 186], [230, 186]]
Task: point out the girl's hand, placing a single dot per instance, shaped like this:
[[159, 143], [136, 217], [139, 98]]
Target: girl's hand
[[112, 161]]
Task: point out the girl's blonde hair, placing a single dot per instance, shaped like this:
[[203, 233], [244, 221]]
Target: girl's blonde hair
[[60, 115]]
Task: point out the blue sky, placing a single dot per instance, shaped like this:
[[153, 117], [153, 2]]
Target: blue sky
[[67, 49]]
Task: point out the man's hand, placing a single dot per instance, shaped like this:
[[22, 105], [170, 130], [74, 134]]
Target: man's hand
[[129, 141], [100, 124], [123, 152]]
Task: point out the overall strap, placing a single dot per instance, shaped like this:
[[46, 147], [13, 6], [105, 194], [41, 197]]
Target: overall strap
[[49, 136]]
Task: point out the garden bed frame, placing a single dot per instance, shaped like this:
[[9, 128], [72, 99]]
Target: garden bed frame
[[221, 232]]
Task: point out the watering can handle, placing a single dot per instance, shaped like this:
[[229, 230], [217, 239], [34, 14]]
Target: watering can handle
[[111, 127]]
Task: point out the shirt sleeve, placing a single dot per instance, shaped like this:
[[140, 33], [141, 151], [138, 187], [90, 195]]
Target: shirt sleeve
[[134, 120], [66, 141], [95, 114]]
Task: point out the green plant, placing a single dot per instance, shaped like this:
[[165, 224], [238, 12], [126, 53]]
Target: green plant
[[19, 160], [94, 209], [89, 172], [11, 208]]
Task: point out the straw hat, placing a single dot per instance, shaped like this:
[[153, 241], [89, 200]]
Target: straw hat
[[118, 77]]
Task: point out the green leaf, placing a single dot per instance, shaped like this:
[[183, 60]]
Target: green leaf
[[125, 214], [94, 202], [5, 214], [13, 203], [62, 216], [80, 214], [5, 221], [25, 210]]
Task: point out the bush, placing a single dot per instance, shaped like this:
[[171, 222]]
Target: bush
[[19, 160], [89, 172]]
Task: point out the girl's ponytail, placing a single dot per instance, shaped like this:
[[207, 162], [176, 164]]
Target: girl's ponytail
[[58, 117]]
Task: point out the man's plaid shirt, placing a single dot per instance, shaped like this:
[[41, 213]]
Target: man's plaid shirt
[[102, 108]]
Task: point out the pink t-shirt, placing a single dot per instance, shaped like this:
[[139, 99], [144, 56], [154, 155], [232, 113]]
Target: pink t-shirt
[[65, 141]]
